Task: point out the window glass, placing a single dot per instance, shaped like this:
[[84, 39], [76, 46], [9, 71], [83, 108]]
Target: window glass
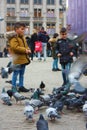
[[50, 2], [10, 1], [24, 1], [37, 1]]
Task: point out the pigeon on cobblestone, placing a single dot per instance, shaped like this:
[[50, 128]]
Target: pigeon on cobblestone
[[42, 85], [18, 96], [42, 124], [5, 98], [28, 111], [36, 103], [52, 113]]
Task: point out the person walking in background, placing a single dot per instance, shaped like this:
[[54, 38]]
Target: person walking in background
[[43, 37], [20, 55], [34, 38], [5, 52], [38, 49], [65, 53], [52, 42]]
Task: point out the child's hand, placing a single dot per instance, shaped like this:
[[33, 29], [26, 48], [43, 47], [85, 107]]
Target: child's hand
[[71, 53], [28, 51], [59, 55]]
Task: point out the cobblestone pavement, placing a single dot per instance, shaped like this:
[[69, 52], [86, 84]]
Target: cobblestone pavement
[[12, 117]]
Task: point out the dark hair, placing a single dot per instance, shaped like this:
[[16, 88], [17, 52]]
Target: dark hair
[[63, 30], [55, 35], [18, 25], [42, 28]]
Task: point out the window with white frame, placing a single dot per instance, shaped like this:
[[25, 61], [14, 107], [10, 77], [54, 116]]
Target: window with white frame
[[37, 26], [10, 11], [51, 28], [37, 12], [24, 12], [50, 13]]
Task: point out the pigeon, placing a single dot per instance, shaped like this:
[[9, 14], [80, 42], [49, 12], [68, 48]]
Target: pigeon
[[17, 95], [42, 124], [10, 93], [28, 111], [42, 85], [59, 104], [36, 94], [5, 98], [84, 108], [77, 69], [8, 70], [76, 72], [52, 113], [36, 103]]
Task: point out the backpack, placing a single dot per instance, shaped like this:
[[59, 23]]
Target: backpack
[[38, 46]]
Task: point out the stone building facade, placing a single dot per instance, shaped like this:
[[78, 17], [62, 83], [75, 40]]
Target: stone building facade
[[34, 13]]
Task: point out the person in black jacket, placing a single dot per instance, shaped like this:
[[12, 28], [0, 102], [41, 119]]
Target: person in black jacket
[[34, 37], [43, 37], [64, 51]]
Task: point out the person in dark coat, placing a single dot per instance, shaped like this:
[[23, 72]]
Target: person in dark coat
[[53, 41], [34, 37], [64, 51]]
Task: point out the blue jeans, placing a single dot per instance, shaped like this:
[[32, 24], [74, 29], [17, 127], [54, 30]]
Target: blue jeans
[[39, 55], [19, 72], [65, 73], [44, 46], [55, 64]]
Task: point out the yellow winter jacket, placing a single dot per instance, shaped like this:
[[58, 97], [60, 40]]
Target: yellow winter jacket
[[18, 48]]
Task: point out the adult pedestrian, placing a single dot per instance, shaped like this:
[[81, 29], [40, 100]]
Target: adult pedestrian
[[53, 41], [34, 38], [65, 52], [20, 54], [43, 37]]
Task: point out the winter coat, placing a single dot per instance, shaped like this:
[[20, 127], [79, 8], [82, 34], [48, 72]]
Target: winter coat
[[53, 47], [64, 47], [43, 37], [18, 48], [34, 38]]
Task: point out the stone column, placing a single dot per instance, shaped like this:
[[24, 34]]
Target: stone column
[[3, 15], [31, 15], [44, 10], [17, 10], [57, 15]]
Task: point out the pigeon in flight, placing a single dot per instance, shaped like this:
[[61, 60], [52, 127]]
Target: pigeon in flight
[[7, 70], [42, 124], [76, 72]]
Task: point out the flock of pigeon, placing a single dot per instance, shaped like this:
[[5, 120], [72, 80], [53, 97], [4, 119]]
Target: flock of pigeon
[[72, 95]]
